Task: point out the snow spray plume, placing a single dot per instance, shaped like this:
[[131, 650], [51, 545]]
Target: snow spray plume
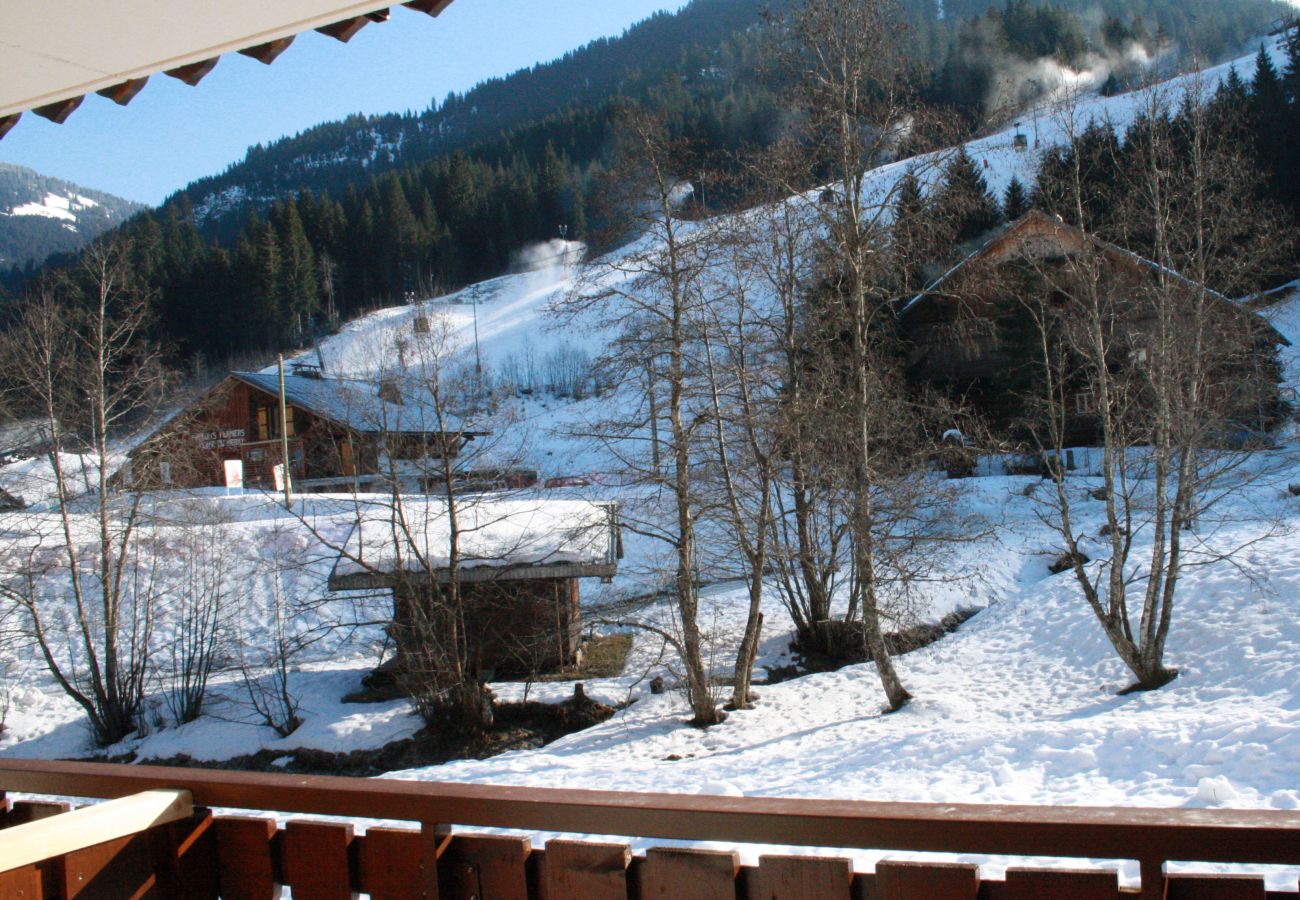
[[1046, 80], [548, 263]]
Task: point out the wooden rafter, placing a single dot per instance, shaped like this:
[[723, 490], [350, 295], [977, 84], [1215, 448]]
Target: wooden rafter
[[428, 7], [194, 72], [124, 93], [58, 112], [266, 53], [345, 30]]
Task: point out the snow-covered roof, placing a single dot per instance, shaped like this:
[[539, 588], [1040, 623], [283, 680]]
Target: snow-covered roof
[[1037, 217], [356, 403], [498, 539]]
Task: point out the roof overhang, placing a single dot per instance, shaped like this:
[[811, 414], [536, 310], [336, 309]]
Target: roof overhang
[[55, 52], [356, 581]]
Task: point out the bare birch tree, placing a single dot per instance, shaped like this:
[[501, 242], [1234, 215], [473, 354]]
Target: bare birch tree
[[847, 61], [1170, 366], [82, 360], [652, 299]]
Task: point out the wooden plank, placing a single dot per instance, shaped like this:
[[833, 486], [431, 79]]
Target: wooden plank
[[1213, 887], [584, 870], [91, 825], [316, 857], [192, 856], [23, 884], [129, 866], [245, 867], [1065, 884], [897, 880], [803, 878], [389, 862], [689, 874], [480, 865]]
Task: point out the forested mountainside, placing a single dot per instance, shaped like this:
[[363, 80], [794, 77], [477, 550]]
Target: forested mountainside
[[706, 49], [41, 215], [351, 215]]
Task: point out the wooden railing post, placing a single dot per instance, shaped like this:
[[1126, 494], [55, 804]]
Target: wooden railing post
[[434, 840], [1153, 878]]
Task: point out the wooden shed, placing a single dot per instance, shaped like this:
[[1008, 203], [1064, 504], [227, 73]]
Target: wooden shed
[[518, 563]]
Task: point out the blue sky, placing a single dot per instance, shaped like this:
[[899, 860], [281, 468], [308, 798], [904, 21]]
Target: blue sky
[[172, 133]]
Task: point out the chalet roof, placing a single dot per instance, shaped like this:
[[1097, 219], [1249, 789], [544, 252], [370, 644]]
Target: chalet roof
[[55, 52], [498, 540], [1037, 218], [356, 404]]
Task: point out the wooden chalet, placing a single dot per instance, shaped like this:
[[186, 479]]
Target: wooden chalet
[[343, 434], [970, 334], [517, 572]]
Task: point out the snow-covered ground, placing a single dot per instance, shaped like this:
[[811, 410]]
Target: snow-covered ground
[[1019, 705]]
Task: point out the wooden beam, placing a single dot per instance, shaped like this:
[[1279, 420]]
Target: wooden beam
[[58, 835], [8, 122], [345, 30], [194, 72], [125, 92], [266, 53], [428, 7], [58, 112]]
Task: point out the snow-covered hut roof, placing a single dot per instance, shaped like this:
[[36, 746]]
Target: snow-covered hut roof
[[364, 407], [497, 539]]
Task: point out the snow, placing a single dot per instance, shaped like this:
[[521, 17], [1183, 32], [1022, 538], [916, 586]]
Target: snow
[[494, 533], [1019, 705], [54, 206]]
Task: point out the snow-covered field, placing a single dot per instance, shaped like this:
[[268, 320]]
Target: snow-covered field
[[1019, 705]]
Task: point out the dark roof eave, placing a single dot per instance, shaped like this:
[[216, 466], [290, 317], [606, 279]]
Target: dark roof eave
[[355, 581]]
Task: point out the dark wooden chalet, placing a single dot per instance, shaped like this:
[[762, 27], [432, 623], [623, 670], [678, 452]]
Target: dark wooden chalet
[[517, 573], [970, 333], [342, 433]]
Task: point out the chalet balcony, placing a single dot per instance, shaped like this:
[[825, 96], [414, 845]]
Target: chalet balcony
[[160, 838]]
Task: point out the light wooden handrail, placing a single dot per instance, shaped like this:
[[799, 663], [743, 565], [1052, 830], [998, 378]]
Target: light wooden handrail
[[68, 832]]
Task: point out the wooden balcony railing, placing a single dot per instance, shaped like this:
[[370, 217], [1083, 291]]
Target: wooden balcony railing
[[250, 856]]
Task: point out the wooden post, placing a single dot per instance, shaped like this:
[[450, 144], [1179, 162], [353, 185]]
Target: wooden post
[[284, 440]]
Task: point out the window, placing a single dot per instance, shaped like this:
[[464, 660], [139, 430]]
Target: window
[[1085, 402]]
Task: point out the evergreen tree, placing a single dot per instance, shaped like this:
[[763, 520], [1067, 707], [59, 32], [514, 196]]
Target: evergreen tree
[[965, 203], [914, 237], [1016, 202]]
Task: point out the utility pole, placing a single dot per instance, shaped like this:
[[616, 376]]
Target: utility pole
[[284, 440]]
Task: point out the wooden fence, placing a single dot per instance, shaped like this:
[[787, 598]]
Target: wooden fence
[[249, 856]]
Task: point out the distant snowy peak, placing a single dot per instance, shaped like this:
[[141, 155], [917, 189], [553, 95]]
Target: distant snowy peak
[[54, 206], [40, 215]]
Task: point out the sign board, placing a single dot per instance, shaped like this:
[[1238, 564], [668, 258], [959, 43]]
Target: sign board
[[235, 473], [280, 476]]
